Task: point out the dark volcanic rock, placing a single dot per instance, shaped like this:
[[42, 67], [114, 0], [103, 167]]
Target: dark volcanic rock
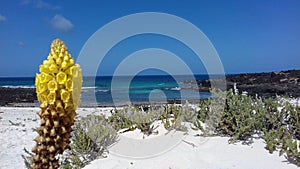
[[17, 95], [285, 83]]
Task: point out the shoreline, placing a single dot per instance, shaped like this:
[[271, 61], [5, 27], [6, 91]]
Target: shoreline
[[26, 97], [265, 85]]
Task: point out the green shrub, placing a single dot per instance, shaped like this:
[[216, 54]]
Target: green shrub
[[90, 139], [243, 118]]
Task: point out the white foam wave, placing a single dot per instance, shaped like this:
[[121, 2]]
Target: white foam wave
[[18, 86], [102, 90], [175, 88], [89, 87]]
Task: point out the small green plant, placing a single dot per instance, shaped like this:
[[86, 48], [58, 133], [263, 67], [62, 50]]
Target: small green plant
[[238, 119], [92, 136], [131, 118], [28, 157], [174, 117], [119, 120]]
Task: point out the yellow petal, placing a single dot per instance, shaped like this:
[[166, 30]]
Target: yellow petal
[[70, 70], [44, 77], [49, 57], [44, 69], [54, 55], [53, 68], [62, 50], [71, 61], [51, 97], [59, 105], [66, 58], [64, 64], [37, 79], [69, 106], [46, 63], [61, 78], [69, 85], [42, 87], [42, 97], [64, 95], [58, 61], [52, 85]]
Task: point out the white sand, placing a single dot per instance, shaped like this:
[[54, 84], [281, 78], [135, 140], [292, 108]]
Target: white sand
[[207, 153]]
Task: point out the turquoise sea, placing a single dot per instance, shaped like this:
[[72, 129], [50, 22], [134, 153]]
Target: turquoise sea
[[108, 90]]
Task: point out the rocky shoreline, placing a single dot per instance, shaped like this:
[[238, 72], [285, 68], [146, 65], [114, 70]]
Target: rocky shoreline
[[17, 96], [265, 85], [272, 84]]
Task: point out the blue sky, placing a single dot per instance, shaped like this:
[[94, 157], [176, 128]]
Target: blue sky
[[249, 36]]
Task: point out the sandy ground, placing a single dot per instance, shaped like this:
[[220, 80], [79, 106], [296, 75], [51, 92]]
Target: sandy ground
[[188, 151]]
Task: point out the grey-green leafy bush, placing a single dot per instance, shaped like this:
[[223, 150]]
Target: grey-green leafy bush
[[131, 118], [275, 120], [238, 119], [91, 137], [210, 113], [174, 117]]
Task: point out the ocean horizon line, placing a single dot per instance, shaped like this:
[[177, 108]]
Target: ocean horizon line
[[196, 74]]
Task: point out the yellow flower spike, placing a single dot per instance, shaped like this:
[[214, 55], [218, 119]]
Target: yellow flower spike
[[61, 78], [58, 87], [52, 85], [64, 95]]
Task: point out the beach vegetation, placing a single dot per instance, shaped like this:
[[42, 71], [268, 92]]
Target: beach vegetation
[[91, 137], [244, 118]]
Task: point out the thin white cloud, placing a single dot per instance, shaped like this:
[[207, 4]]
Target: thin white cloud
[[44, 5], [60, 23], [21, 44], [25, 2], [2, 18], [39, 4]]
